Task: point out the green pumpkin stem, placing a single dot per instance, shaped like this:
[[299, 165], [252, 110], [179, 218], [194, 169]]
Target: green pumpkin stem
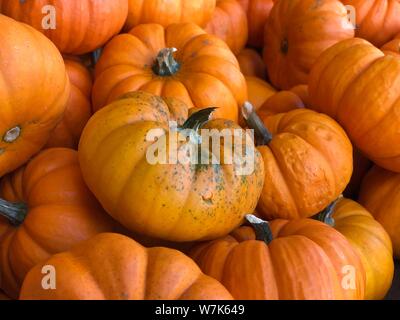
[[261, 228], [14, 212], [165, 64], [262, 135], [326, 216]]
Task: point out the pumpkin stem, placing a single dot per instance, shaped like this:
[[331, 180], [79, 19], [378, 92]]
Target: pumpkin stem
[[262, 134], [13, 211], [198, 119], [261, 228], [165, 64], [326, 216]]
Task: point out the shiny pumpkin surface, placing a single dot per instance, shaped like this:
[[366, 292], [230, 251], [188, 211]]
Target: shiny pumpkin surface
[[206, 72], [380, 194], [297, 32], [34, 91], [61, 213], [365, 106], [252, 64], [78, 109], [79, 26], [308, 164], [113, 267], [173, 201], [372, 244], [304, 261]]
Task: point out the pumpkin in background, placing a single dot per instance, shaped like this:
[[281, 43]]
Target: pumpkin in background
[[78, 110], [377, 20], [297, 32], [258, 91], [114, 267], [34, 91], [392, 47], [257, 14], [166, 13], [370, 241], [169, 200], [80, 26], [281, 102], [287, 260], [203, 72], [229, 23], [380, 194], [252, 64], [301, 91], [307, 162], [365, 106], [361, 166], [3, 296], [45, 208]]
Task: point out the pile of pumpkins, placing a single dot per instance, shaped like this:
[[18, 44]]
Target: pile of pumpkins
[[78, 196]]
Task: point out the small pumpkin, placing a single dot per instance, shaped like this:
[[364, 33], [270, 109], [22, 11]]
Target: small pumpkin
[[252, 64], [201, 70], [258, 91], [307, 162], [377, 20], [115, 267], [160, 197], [45, 208], [297, 32], [287, 260], [79, 26], [257, 14], [392, 47], [34, 91], [370, 241], [78, 109], [365, 106], [380, 194], [166, 13], [301, 91], [281, 102], [229, 23]]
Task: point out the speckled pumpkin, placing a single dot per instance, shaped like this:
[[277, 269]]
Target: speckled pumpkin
[[176, 202]]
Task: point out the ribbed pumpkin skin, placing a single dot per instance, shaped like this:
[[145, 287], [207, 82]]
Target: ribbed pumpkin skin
[[297, 32], [229, 23], [304, 262], [307, 164], [252, 64], [80, 25], [78, 109], [257, 14], [114, 267], [62, 212], [372, 244], [169, 12], [365, 106], [175, 202], [380, 194], [392, 47], [377, 20], [34, 91], [209, 74]]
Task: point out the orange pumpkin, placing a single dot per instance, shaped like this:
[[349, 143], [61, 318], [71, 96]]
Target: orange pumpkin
[[203, 72], [3, 296], [257, 14], [34, 91], [114, 267], [377, 20], [380, 194], [167, 13], [365, 106], [258, 91], [307, 162], [45, 208], [301, 91], [78, 110], [287, 260], [392, 47], [370, 241], [251, 64], [151, 193], [297, 32], [229, 23], [281, 102], [75, 27]]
